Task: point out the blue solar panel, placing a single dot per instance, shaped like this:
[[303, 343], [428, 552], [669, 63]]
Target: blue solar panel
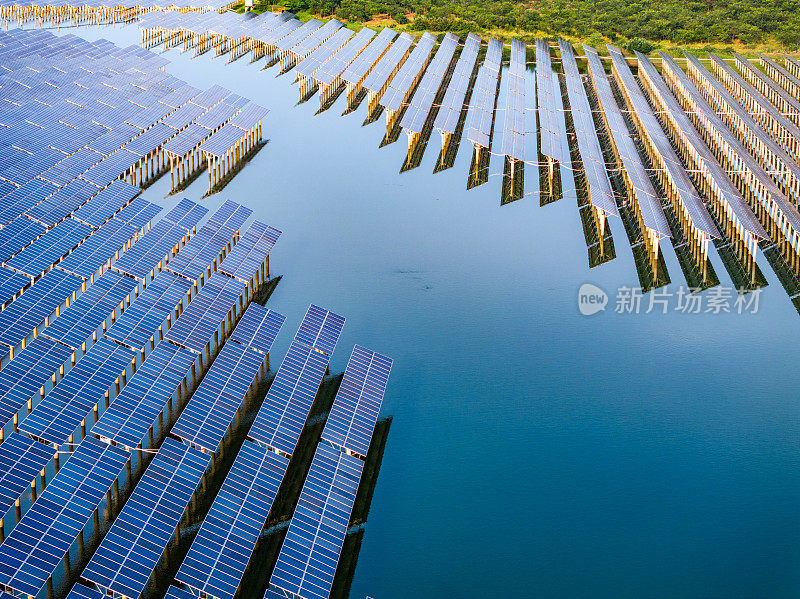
[[202, 252], [72, 166], [250, 253], [310, 552], [186, 214], [176, 593], [57, 416], [30, 309], [21, 460], [99, 249], [195, 327], [17, 234], [320, 329], [206, 418], [133, 546], [38, 543], [77, 323], [283, 414], [24, 198], [11, 283], [115, 138], [62, 203], [231, 214], [154, 246], [258, 328], [133, 412], [139, 213], [140, 321], [106, 203], [81, 592], [24, 376], [352, 419], [220, 552], [50, 248]]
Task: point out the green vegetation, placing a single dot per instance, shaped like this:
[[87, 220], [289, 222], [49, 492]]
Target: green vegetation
[[661, 24]]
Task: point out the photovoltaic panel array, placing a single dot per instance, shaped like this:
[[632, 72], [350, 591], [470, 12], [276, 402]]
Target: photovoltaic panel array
[[158, 241], [133, 412], [98, 249], [320, 329], [257, 328], [401, 84], [645, 196], [83, 317], [38, 543], [72, 166], [107, 203], [131, 549], [18, 234], [60, 413], [310, 553], [484, 97], [139, 213], [422, 101], [550, 119], [383, 69], [222, 140], [514, 126], [297, 35], [355, 409], [206, 246], [453, 101], [141, 320], [231, 215], [24, 198], [594, 165], [366, 60], [11, 283], [51, 247], [195, 327], [219, 554], [250, 252], [21, 461], [249, 116], [344, 57], [323, 53]]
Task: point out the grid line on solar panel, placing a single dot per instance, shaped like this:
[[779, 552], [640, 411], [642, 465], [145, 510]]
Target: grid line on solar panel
[[323, 53], [549, 117], [249, 116], [106, 203], [216, 116], [195, 327], [77, 323], [297, 35], [363, 63], [51, 247], [24, 376], [141, 320], [257, 328], [186, 214], [133, 546], [111, 167], [484, 97], [21, 460], [214, 94], [231, 215], [344, 57], [38, 543], [219, 554], [401, 84], [72, 166], [310, 553], [153, 247], [149, 141], [62, 203], [222, 141], [202, 251], [355, 409], [62, 410], [132, 413], [317, 37], [115, 138], [213, 407]]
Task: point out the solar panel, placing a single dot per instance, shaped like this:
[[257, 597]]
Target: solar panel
[[382, 71], [363, 63], [355, 409], [231, 215], [21, 460], [133, 546], [49, 248], [149, 141], [216, 116], [257, 328], [24, 376], [186, 214], [57, 416], [141, 320], [62, 203], [422, 101], [24, 198], [106, 203], [77, 323], [323, 53], [111, 167], [320, 329], [180, 96], [250, 252], [72, 166], [198, 257], [222, 140], [214, 94], [207, 310], [484, 97], [139, 213], [81, 592], [453, 101], [11, 284], [38, 543], [117, 137], [133, 412], [18, 234], [210, 412], [176, 593], [30, 309], [219, 554], [310, 552], [99, 249], [401, 84], [184, 115], [153, 247]]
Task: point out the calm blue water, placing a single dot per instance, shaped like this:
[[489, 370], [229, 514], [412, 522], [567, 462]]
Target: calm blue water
[[535, 452]]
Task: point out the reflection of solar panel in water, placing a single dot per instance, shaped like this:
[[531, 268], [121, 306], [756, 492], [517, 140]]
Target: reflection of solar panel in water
[[644, 194], [453, 101], [355, 409], [400, 85], [484, 97], [219, 554], [38, 543], [381, 72], [21, 460], [62, 410], [421, 103], [310, 552], [50, 248], [107, 203], [133, 546], [133, 412], [600, 194]]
